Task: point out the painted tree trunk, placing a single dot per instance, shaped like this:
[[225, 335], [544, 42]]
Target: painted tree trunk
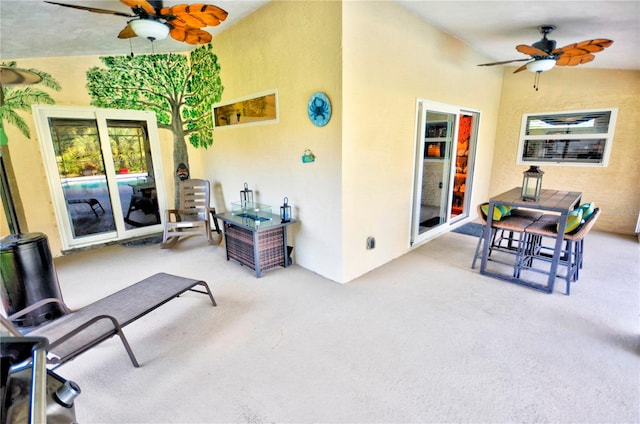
[[180, 155]]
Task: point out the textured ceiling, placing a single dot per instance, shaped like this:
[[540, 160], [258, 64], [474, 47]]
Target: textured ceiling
[[32, 28], [494, 28]]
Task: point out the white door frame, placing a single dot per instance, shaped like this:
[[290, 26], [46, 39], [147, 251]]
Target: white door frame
[[42, 114], [422, 106]]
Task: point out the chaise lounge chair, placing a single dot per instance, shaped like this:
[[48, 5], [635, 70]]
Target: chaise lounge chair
[[80, 330]]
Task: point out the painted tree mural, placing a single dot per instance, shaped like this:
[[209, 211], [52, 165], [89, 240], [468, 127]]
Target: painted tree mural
[[13, 99], [179, 89]]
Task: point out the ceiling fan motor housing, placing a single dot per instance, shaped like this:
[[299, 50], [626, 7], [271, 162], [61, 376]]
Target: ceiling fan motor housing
[[545, 44]]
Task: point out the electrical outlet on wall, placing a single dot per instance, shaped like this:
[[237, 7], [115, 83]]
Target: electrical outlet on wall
[[371, 243]]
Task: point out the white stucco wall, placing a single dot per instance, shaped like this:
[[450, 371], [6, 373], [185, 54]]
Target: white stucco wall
[[391, 58]]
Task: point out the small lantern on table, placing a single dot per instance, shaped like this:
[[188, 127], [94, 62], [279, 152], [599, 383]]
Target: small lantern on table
[[532, 183], [285, 211], [246, 197]]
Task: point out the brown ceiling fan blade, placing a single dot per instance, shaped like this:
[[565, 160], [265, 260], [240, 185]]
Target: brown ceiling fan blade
[[143, 4], [522, 68], [566, 60], [588, 46], [127, 32], [92, 9], [190, 35], [504, 61], [531, 51]]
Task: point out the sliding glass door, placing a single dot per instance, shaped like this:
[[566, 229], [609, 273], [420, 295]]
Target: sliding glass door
[[445, 146], [102, 167]]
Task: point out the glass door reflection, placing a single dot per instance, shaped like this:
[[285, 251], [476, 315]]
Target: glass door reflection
[[81, 170], [133, 164], [436, 169]]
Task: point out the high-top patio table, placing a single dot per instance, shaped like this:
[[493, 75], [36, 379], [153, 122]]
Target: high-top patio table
[[557, 201]]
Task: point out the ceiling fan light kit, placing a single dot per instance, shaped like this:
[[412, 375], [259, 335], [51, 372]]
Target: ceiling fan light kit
[[541, 65], [149, 29]]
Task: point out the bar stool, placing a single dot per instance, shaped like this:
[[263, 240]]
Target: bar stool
[[503, 238], [571, 256]]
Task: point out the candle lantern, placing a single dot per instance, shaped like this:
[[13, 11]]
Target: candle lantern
[[532, 183], [246, 197], [285, 211]]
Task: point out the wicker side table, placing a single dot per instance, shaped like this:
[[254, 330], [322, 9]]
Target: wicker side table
[[260, 246]]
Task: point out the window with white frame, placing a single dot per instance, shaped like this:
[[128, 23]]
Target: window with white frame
[[567, 138]]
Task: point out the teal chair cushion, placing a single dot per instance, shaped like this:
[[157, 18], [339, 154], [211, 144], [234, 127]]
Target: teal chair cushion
[[587, 210]]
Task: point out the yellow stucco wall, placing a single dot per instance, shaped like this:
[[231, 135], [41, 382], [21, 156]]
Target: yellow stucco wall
[[294, 47], [614, 188]]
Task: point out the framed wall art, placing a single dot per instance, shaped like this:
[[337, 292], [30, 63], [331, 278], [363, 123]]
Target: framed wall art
[[256, 109]]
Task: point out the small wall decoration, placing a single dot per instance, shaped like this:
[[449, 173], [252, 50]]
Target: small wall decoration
[[261, 108], [182, 172], [308, 156], [319, 109]]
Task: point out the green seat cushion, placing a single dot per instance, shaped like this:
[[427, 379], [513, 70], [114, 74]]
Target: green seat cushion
[[574, 220], [499, 211], [587, 210]]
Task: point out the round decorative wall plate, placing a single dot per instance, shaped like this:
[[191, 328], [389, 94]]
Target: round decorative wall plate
[[319, 109]]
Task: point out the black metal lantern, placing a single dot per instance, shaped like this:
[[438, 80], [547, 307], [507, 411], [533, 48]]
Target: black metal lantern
[[285, 211], [246, 197], [532, 183]]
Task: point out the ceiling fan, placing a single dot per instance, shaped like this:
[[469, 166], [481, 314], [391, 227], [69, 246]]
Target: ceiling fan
[[153, 21], [544, 55]]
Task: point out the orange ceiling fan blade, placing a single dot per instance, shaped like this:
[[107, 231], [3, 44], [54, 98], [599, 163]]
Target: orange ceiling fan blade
[[185, 19], [588, 46], [566, 60], [195, 15], [144, 4], [190, 35], [531, 51], [574, 52], [127, 32], [218, 13], [206, 13]]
